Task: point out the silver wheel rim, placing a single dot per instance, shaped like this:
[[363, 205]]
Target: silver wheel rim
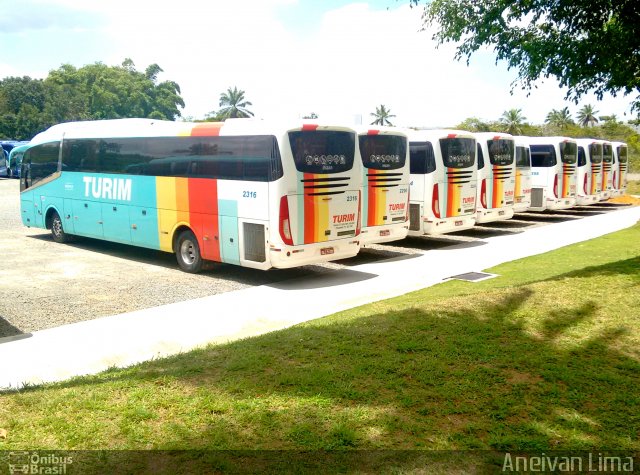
[[187, 252], [57, 227]]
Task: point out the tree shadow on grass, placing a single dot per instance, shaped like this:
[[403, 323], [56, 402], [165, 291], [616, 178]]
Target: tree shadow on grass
[[630, 267]]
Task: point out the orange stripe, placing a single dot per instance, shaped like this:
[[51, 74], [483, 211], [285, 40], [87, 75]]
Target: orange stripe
[[207, 129], [309, 215]]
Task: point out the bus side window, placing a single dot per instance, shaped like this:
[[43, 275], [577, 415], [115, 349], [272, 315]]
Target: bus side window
[[422, 160], [582, 158], [480, 158]]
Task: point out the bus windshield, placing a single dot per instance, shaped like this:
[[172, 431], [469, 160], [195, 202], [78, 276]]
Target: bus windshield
[[322, 151], [568, 152], [595, 152], [622, 154], [458, 152], [523, 157], [607, 153], [500, 151], [383, 152], [543, 155]]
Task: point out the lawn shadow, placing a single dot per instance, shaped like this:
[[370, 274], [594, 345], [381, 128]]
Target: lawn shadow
[[467, 375]]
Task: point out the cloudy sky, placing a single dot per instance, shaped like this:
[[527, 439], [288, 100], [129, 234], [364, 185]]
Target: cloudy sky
[[337, 58]]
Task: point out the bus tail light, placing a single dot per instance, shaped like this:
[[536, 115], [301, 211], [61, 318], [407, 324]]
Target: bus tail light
[[435, 201], [483, 193], [359, 223], [285, 223], [555, 186], [585, 184]]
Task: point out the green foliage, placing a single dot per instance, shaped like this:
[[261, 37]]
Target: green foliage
[[513, 121], [382, 115], [570, 40], [587, 116], [233, 105], [95, 91]]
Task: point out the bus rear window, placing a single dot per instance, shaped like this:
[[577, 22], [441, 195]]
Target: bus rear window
[[458, 152], [595, 152], [543, 156], [422, 160], [523, 157], [569, 152], [622, 154], [500, 151], [383, 152], [607, 153], [322, 151]]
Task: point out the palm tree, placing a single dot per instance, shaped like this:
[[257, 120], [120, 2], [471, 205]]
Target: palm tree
[[587, 116], [560, 118], [382, 115], [513, 120], [233, 104]]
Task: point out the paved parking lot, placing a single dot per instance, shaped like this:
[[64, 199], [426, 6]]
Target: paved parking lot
[[45, 284]]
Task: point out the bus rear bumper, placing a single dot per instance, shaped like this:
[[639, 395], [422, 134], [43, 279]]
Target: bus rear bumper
[[287, 257], [587, 200], [380, 234], [561, 203], [521, 207], [494, 214], [434, 226]]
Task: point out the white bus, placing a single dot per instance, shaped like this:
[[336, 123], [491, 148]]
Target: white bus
[[443, 181], [621, 157], [495, 194], [384, 152], [242, 192], [522, 192], [607, 170], [588, 171], [553, 161]]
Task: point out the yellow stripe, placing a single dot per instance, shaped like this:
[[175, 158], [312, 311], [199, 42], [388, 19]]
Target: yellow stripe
[[167, 214]]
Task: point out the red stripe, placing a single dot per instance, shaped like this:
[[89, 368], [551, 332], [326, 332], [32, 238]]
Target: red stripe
[[309, 127], [203, 216], [373, 132]]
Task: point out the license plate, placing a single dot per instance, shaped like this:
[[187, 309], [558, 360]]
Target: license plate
[[385, 232], [500, 213], [458, 223], [326, 250]]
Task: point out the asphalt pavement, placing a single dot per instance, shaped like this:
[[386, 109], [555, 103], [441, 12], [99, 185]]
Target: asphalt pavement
[[92, 346]]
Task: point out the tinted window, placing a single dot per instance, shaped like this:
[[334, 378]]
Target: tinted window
[[582, 158], [501, 151], [383, 152], [421, 158], [523, 157], [252, 158], [622, 154], [595, 152], [39, 162], [480, 157], [569, 152], [607, 152], [458, 152], [322, 151], [543, 155]]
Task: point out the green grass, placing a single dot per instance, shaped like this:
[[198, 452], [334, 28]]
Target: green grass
[[546, 356], [633, 187]]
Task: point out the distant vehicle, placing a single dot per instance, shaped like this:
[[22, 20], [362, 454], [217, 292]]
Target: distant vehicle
[[15, 160], [4, 163], [523, 176], [384, 152], [620, 154], [496, 176], [553, 161], [607, 171], [443, 181], [589, 171]]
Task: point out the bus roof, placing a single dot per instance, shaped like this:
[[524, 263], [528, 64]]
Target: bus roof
[[436, 134]]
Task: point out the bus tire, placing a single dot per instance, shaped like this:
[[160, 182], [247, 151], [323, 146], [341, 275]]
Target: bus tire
[[57, 230], [188, 252]]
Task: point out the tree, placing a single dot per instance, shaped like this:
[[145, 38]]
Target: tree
[[587, 116], [313, 115], [382, 116], [513, 120], [559, 118], [233, 104], [570, 40]]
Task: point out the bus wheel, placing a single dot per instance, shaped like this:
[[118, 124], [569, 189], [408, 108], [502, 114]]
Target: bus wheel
[[188, 253], [57, 231]]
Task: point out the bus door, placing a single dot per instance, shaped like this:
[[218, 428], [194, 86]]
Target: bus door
[[326, 206]]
